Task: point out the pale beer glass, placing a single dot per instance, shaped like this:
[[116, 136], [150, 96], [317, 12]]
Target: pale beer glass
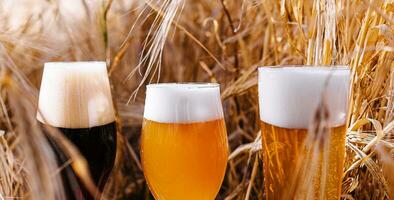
[[184, 141], [289, 98]]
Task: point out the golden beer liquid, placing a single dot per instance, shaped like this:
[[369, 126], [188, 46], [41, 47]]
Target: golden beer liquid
[[184, 161], [281, 149]]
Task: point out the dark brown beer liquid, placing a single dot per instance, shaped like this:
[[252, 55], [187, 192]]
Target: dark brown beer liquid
[[98, 146]]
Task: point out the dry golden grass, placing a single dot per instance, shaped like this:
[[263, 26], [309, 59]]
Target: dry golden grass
[[220, 41]]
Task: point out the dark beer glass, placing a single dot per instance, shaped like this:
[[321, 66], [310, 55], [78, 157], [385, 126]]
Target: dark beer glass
[[75, 97]]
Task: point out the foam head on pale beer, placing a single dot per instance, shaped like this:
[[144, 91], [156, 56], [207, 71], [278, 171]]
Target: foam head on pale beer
[[184, 141], [75, 95], [290, 96]]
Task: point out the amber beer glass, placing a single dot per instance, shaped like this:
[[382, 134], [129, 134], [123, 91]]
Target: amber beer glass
[[289, 98], [75, 97], [184, 141]]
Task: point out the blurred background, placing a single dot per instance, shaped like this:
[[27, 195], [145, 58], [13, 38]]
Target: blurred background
[[222, 41]]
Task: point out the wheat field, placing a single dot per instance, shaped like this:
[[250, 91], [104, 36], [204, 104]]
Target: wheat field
[[221, 41]]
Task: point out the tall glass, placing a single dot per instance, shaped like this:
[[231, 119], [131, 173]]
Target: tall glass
[[289, 98], [75, 97], [184, 141]]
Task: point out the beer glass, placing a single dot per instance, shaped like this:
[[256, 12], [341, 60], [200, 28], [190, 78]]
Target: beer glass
[[184, 141], [75, 97], [289, 98]]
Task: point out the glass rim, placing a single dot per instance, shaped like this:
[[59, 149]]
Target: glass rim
[[77, 65], [70, 62], [300, 67], [187, 85]]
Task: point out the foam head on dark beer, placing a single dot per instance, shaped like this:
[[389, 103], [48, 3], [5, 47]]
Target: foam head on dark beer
[[75, 95], [289, 96], [183, 103]]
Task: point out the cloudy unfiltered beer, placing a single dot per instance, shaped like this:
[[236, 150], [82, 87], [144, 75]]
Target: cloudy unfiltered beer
[[184, 141], [289, 98], [75, 97]]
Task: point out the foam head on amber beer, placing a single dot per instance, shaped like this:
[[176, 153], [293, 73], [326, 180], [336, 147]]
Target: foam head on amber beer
[[183, 103], [290, 96], [75, 95]]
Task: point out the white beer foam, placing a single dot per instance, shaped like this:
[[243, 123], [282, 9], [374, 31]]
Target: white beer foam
[[290, 96], [183, 103], [75, 95]]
